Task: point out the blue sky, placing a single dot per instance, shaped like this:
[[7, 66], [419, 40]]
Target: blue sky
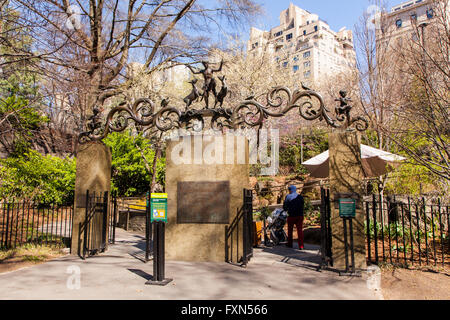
[[337, 13]]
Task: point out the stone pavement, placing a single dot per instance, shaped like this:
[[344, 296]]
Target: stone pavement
[[273, 274]]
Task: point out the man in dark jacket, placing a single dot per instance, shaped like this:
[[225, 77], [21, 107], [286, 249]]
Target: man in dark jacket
[[294, 205]]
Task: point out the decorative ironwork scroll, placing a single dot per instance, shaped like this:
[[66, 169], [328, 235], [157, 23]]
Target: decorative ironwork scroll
[[249, 113], [309, 103]]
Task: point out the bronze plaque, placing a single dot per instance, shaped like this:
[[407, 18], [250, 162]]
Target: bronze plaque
[[203, 202]]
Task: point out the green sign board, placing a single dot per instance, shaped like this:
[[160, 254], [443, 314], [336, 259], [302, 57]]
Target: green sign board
[[158, 207], [347, 208]]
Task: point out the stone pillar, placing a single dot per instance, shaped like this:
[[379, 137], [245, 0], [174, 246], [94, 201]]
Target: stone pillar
[[346, 174], [206, 162], [93, 174]]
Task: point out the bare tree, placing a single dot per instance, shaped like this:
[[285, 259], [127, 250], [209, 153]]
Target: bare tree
[[422, 122], [404, 85], [86, 45], [378, 80]]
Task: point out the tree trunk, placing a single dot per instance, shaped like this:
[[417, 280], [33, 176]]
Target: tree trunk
[[155, 161]]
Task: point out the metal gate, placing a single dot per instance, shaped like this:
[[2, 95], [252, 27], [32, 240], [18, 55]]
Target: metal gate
[[325, 229], [94, 228], [239, 234]]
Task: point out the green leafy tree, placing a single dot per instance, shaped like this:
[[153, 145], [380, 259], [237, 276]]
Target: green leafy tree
[[34, 177], [132, 157]]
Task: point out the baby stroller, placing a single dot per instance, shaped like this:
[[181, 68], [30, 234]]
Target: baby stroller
[[276, 225]]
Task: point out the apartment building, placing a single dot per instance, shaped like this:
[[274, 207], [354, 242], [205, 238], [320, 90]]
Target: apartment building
[[305, 44], [403, 19], [175, 75]]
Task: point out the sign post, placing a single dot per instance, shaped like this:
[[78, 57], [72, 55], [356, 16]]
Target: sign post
[[158, 217], [347, 211]]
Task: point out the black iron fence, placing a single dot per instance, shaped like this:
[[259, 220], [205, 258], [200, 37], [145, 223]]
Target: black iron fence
[[26, 222], [98, 228], [404, 230], [325, 228], [94, 228], [239, 234]]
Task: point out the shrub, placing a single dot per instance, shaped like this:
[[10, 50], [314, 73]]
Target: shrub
[[32, 176]]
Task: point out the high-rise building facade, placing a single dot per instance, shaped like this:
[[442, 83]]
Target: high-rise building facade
[[403, 19], [306, 45], [407, 36]]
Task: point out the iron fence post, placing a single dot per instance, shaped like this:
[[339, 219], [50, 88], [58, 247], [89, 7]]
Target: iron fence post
[[7, 225], [85, 229], [418, 232], [369, 254], [433, 233], [410, 229], [426, 231], [21, 226], [404, 235], [375, 231], [441, 231], [115, 219], [328, 220], [11, 225], [380, 200], [352, 247], [104, 243]]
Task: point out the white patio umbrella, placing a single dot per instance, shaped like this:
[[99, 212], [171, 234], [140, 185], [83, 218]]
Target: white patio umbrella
[[374, 162]]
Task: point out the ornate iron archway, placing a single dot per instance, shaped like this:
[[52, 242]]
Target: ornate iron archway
[[249, 113]]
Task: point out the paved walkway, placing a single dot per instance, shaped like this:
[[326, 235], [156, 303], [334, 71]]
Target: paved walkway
[[119, 273]]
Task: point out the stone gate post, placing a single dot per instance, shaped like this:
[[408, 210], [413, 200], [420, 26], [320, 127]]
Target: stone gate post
[[93, 174], [346, 174]]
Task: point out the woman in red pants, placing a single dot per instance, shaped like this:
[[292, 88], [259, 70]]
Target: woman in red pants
[[294, 205]]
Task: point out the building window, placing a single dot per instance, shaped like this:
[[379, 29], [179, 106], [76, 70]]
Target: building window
[[307, 54], [307, 74], [289, 36], [278, 34], [430, 13], [398, 23], [285, 64], [295, 68], [414, 16], [307, 64], [295, 58], [305, 46], [255, 45], [316, 28], [304, 32]]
